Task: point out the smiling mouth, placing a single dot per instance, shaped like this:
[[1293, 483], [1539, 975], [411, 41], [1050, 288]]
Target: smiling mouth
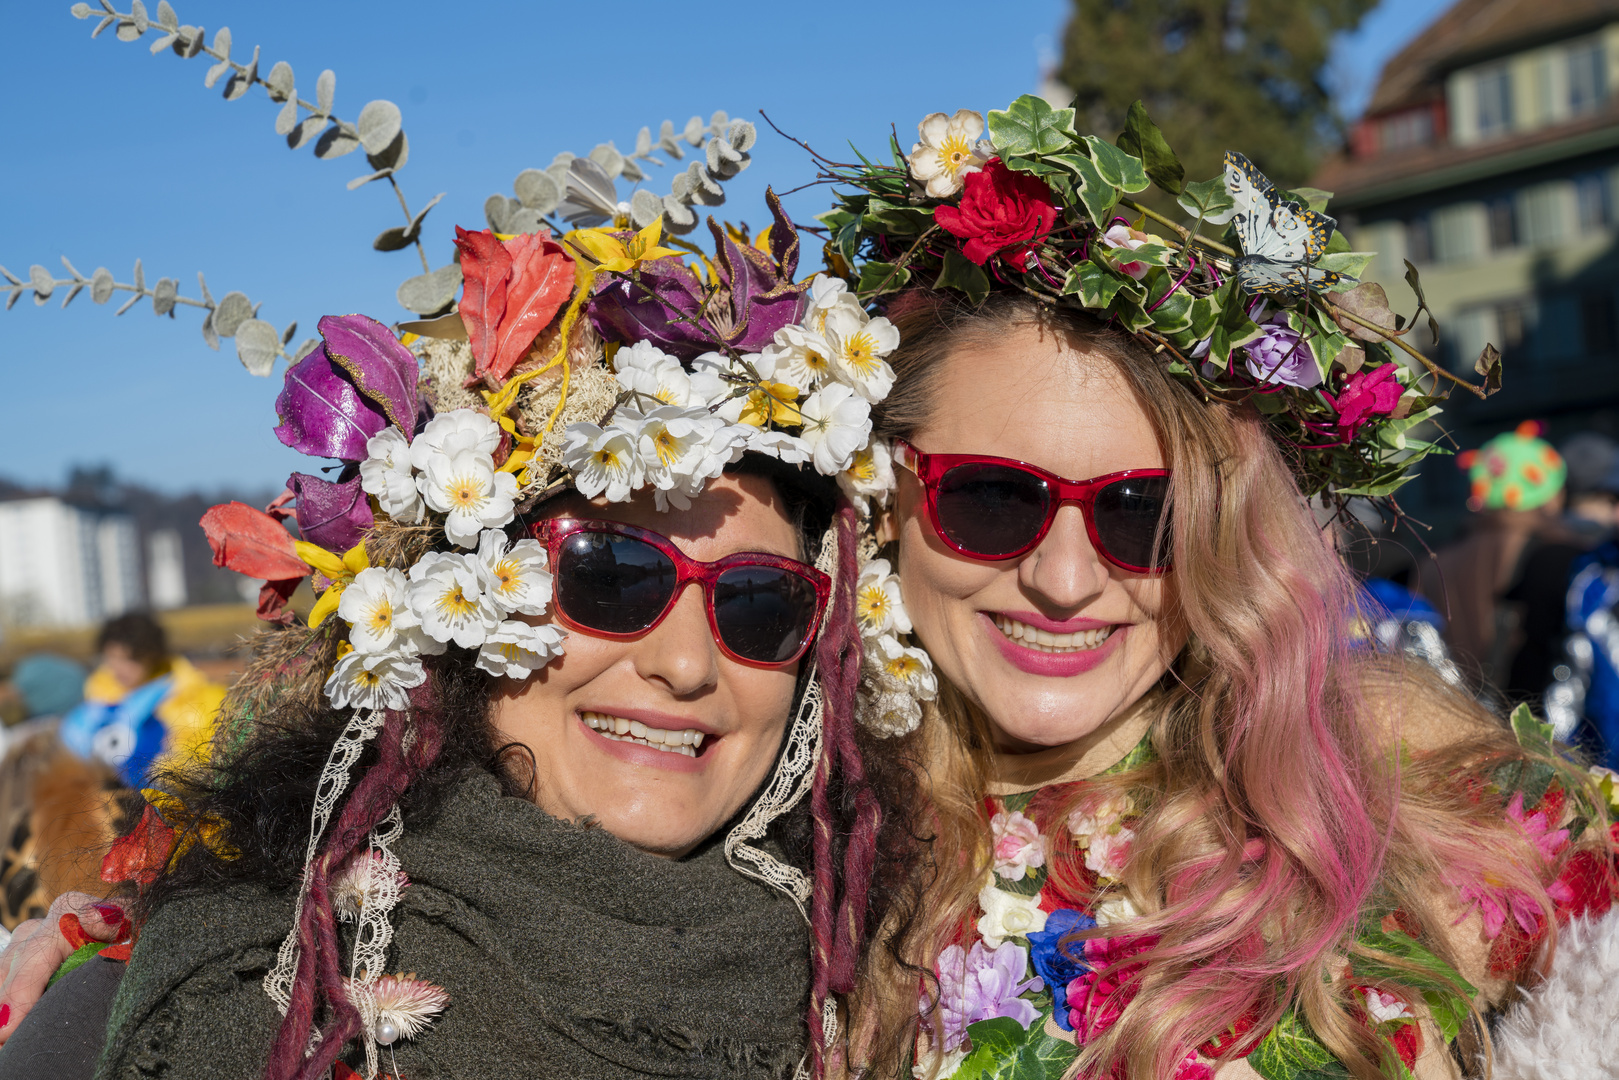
[[687, 741], [1030, 637]]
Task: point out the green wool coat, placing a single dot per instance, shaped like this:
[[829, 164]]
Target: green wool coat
[[565, 952]]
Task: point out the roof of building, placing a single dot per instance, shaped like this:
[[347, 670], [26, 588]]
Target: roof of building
[[1475, 30]]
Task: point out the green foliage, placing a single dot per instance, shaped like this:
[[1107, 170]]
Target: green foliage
[[1030, 126], [960, 273], [1142, 138], [1208, 200], [1292, 1052], [1216, 75], [1004, 1050], [1442, 987]]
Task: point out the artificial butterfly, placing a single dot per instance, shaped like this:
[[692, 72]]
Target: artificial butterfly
[[1280, 238]]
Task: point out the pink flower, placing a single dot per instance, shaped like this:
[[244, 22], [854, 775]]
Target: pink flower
[[1097, 998], [1122, 236], [981, 985], [1537, 828], [1496, 905], [1384, 1006], [1368, 392], [1193, 1069], [1018, 845], [1109, 851]]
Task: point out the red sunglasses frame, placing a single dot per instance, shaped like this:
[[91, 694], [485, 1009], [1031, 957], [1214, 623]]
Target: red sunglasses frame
[[931, 468], [553, 532]]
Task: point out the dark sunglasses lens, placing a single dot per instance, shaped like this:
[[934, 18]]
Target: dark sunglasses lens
[[991, 509], [764, 614], [1127, 516], [615, 584]]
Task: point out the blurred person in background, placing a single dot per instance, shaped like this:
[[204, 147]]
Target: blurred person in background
[[1517, 495]]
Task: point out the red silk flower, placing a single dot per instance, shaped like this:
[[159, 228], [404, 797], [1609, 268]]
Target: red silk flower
[[1002, 212], [514, 288]]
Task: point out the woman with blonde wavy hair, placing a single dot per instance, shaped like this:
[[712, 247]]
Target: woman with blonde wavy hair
[[1187, 823]]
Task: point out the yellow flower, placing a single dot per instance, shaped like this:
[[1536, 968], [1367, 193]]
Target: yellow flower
[[770, 402], [613, 254], [340, 570]]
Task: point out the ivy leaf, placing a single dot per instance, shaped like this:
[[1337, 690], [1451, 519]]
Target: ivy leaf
[[1142, 138], [1314, 198], [1292, 1052], [1351, 264], [1099, 196], [1209, 200], [1440, 985], [1095, 286], [1117, 168], [1031, 126], [877, 278], [962, 274], [995, 1048], [1533, 735]]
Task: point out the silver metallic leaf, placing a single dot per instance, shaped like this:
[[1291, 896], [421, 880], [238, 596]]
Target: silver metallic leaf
[[632, 172], [9, 276], [164, 42], [71, 293], [537, 190], [524, 220], [137, 12], [379, 124], [361, 181], [207, 297], [166, 17], [311, 126], [722, 158], [208, 333], [607, 156], [393, 156], [393, 239], [669, 142], [694, 131], [718, 122], [280, 83], [286, 335], [240, 82], [190, 43], [234, 309], [415, 228], [742, 135], [128, 31], [677, 216], [106, 21], [494, 212], [101, 284], [643, 142], [74, 270], [128, 304], [140, 277], [80, 11], [222, 43], [287, 118], [215, 72], [325, 87], [337, 140], [257, 345], [305, 347], [680, 189], [428, 294], [163, 296], [42, 282], [12, 299], [645, 208]]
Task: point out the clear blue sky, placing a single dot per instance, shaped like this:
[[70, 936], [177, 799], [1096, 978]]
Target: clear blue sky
[[111, 153]]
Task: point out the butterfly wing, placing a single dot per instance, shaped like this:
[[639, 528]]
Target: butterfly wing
[[1260, 276], [1279, 237]]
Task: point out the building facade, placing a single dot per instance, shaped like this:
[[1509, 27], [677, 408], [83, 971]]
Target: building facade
[[1489, 158], [63, 565]]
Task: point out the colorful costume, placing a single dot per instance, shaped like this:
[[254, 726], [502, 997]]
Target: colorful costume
[[170, 717]]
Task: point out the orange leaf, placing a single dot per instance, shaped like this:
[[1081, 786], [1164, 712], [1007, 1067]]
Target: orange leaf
[[73, 931], [141, 856], [251, 542], [542, 281], [486, 271]]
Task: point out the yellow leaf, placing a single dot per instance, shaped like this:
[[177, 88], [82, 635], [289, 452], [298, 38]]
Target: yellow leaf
[[599, 245], [356, 559], [321, 559], [326, 604]]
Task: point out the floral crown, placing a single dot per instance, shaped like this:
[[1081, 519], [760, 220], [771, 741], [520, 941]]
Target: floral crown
[[1256, 297]]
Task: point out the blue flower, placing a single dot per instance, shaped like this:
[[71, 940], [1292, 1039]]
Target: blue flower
[[1053, 964]]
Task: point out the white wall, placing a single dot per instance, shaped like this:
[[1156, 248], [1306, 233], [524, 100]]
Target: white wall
[[64, 566], [165, 571]]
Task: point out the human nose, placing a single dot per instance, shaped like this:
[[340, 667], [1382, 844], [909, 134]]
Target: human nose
[[680, 652], [1065, 568]]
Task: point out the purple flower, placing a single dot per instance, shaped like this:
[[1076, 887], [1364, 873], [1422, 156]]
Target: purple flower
[[1279, 356], [335, 516], [981, 985], [322, 412]]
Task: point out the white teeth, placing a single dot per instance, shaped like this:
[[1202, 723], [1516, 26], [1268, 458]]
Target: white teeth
[[1046, 641], [619, 729]]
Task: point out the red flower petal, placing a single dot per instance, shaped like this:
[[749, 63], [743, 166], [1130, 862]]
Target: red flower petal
[[251, 542]]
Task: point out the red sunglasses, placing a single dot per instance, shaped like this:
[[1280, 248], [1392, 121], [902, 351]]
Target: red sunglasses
[[617, 581], [994, 508]]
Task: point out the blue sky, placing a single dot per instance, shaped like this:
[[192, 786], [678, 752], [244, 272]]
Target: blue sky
[[112, 153]]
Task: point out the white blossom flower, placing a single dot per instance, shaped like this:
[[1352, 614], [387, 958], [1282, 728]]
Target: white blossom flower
[[375, 605], [374, 680], [948, 1062], [908, 669], [682, 449], [879, 605], [1107, 852], [799, 357], [386, 473], [1122, 236], [1384, 1006], [603, 460], [886, 709], [858, 345], [837, 425], [1017, 845], [1007, 915], [359, 882], [779, 444], [448, 598], [1117, 908], [517, 649], [949, 149], [827, 294], [450, 432], [466, 488], [514, 577], [870, 476], [657, 377], [1100, 815], [408, 1003]]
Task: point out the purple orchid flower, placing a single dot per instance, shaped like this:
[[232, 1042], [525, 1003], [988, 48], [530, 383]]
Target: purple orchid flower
[[981, 985], [334, 516]]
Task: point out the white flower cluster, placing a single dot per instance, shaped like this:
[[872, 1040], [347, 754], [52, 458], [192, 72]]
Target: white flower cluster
[[806, 397], [896, 678], [467, 598]]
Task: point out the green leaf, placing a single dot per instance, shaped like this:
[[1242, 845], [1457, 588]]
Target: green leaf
[[1030, 126], [898, 219], [1314, 198], [1209, 200], [1096, 287], [1174, 311], [1442, 987], [1117, 168], [1099, 196], [1337, 242], [962, 274], [1291, 1051], [1533, 736], [1142, 138], [846, 239], [1351, 264], [877, 278], [77, 959], [995, 1048]]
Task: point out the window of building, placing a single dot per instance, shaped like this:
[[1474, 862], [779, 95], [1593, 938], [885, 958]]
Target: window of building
[[1493, 88], [1457, 233], [1587, 77], [1503, 217], [1591, 200], [1419, 240], [1597, 324], [1402, 131], [1543, 214], [1514, 320]]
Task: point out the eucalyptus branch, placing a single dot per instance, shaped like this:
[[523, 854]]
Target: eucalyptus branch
[[258, 344], [1185, 234], [1394, 339]]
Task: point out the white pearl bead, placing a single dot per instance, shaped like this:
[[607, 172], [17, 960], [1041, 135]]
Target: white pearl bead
[[387, 1033]]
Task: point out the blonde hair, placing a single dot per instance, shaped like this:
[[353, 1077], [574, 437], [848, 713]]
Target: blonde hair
[[1278, 808]]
